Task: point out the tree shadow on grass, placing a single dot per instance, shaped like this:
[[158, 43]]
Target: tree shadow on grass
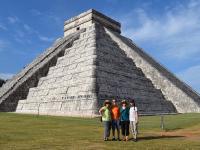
[[158, 137]]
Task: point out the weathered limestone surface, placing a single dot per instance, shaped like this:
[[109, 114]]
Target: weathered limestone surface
[[69, 87], [93, 62]]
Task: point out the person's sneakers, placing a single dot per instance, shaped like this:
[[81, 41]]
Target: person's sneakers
[[135, 140], [105, 139], [113, 139]]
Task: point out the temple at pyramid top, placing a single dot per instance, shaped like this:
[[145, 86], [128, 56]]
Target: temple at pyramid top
[[87, 18]]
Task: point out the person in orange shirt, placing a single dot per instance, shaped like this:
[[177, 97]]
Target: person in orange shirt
[[115, 116]]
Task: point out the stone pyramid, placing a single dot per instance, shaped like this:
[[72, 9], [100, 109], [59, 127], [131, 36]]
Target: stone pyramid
[[91, 63]]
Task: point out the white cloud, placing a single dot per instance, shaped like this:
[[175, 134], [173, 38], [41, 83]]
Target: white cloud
[[3, 45], [13, 19], [28, 28], [191, 76], [35, 12], [45, 39], [20, 33], [6, 76], [50, 16], [173, 35], [3, 27], [54, 18], [177, 31], [112, 1]]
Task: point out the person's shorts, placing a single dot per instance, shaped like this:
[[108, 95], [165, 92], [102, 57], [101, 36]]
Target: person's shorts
[[115, 124]]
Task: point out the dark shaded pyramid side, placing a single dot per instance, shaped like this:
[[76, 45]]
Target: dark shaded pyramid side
[[118, 77]]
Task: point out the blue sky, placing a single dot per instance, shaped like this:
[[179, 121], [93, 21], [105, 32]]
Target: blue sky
[[168, 30]]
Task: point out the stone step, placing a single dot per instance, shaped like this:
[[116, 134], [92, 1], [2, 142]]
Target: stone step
[[113, 52], [113, 59], [130, 70], [103, 72], [121, 85], [81, 85], [74, 53], [60, 107], [62, 96], [73, 64], [20, 104], [129, 91], [70, 74], [58, 83], [76, 58]]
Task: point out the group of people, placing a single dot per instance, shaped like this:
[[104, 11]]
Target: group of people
[[119, 116]]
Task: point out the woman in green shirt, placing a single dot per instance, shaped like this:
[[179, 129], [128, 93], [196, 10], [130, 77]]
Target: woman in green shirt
[[106, 118]]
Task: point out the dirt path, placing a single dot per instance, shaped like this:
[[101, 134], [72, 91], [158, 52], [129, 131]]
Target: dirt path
[[193, 134]]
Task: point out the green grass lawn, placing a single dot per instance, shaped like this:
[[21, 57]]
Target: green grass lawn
[[18, 132]]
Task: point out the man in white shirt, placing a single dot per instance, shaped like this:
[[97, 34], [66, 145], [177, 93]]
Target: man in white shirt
[[133, 117]]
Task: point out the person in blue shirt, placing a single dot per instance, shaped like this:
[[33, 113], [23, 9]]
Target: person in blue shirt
[[124, 119]]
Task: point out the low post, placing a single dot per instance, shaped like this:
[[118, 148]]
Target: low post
[[38, 110], [162, 122]]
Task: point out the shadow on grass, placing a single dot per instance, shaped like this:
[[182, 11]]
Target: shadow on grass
[[172, 129], [158, 137]]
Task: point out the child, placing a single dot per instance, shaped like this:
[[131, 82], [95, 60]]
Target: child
[[133, 117]]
